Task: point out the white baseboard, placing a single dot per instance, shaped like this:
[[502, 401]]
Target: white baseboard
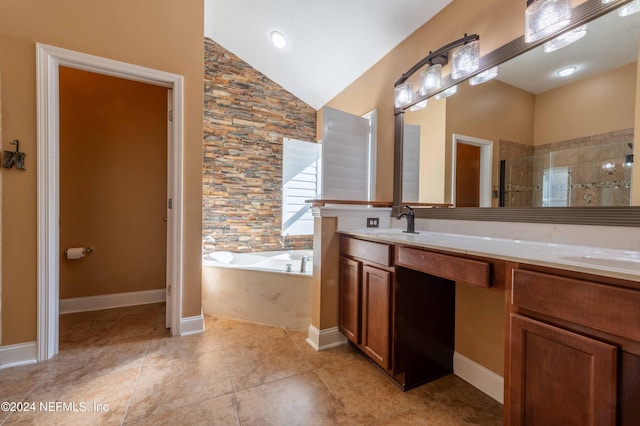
[[325, 339], [192, 325], [479, 376], [108, 301], [20, 354]]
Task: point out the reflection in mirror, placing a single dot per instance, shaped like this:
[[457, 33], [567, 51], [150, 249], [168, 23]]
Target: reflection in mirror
[[557, 141]]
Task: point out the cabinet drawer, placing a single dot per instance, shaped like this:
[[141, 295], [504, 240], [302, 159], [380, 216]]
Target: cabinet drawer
[[601, 307], [454, 268], [367, 250]]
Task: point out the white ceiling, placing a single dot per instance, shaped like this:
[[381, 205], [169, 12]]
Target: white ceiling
[[331, 42]]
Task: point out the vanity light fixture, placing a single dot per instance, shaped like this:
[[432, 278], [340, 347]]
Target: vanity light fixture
[[484, 76], [629, 8], [278, 39], [420, 105], [446, 93], [567, 71], [565, 39], [404, 94], [465, 60], [545, 17]]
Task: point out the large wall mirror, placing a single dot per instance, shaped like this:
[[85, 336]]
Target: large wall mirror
[[534, 136]]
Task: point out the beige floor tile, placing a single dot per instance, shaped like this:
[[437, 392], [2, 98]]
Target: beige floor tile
[[367, 395], [235, 333], [125, 358], [473, 406], [319, 358], [168, 347], [264, 361], [21, 380], [99, 399], [96, 360], [219, 411], [175, 383], [297, 400], [431, 414]]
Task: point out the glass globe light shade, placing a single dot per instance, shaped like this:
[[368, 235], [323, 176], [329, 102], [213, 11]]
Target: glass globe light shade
[[629, 8], [420, 105], [404, 94], [430, 79], [446, 93], [465, 60], [545, 17], [484, 76], [565, 39]]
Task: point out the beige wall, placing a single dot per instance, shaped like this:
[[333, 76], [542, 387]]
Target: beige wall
[[160, 34], [432, 121], [592, 106], [492, 111], [480, 326], [325, 281], [113, 184]]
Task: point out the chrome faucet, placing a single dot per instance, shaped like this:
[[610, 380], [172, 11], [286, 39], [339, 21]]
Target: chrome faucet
[[303, 264], [411, 220]]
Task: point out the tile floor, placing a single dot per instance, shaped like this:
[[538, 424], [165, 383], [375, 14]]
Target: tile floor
[[120, 366]]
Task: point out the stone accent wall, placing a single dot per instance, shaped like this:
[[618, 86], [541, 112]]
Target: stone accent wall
[[246, 116]]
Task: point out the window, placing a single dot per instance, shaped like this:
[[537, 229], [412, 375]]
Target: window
[[348, 156], [300, 177], [556, 187]]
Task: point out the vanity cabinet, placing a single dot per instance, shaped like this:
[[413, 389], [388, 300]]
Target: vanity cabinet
[[376, 319], [366, 277], [574, 350], [401, 318]]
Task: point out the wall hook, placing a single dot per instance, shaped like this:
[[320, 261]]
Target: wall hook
[[17, 157]]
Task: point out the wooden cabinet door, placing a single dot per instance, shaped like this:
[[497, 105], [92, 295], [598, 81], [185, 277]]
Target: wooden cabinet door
[[559, 377], [376, 293], [349, 310]]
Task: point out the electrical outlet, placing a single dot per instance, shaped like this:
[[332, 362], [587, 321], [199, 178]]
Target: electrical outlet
[[373, 222]]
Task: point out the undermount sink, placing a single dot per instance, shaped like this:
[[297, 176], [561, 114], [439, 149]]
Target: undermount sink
[[627, 263]]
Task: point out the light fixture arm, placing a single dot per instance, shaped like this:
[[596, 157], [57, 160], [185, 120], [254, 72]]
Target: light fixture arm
[[438, 53]]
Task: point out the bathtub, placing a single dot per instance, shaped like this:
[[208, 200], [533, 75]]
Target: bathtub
[[256, 287]]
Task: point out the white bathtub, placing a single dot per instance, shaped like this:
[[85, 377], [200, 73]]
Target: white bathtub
[[255, 287], [285, 261]]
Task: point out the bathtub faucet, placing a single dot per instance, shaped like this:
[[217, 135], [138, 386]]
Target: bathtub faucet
[[303, 264], [411, 220]]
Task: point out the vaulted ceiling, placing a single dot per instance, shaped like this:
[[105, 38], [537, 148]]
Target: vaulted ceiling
[[330, 42]]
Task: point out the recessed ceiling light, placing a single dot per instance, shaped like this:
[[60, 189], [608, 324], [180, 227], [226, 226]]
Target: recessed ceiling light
[[566, 72], [278, 39]]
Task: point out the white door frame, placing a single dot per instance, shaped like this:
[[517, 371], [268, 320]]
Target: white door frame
[[49, 59], [486, 160]]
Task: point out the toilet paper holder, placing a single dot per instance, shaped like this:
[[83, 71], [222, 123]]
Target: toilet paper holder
[[87, 250]]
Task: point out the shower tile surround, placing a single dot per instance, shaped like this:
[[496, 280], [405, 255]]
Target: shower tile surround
[[595, 166], [246, 116]]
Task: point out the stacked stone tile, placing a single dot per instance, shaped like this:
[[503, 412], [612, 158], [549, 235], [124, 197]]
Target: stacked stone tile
[[246, 116]]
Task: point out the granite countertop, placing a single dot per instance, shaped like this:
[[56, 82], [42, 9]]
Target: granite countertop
[[607, 262]]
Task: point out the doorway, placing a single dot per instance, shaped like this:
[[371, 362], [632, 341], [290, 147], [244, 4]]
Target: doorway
[[49, 61], [113, 190], [472, 160]]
